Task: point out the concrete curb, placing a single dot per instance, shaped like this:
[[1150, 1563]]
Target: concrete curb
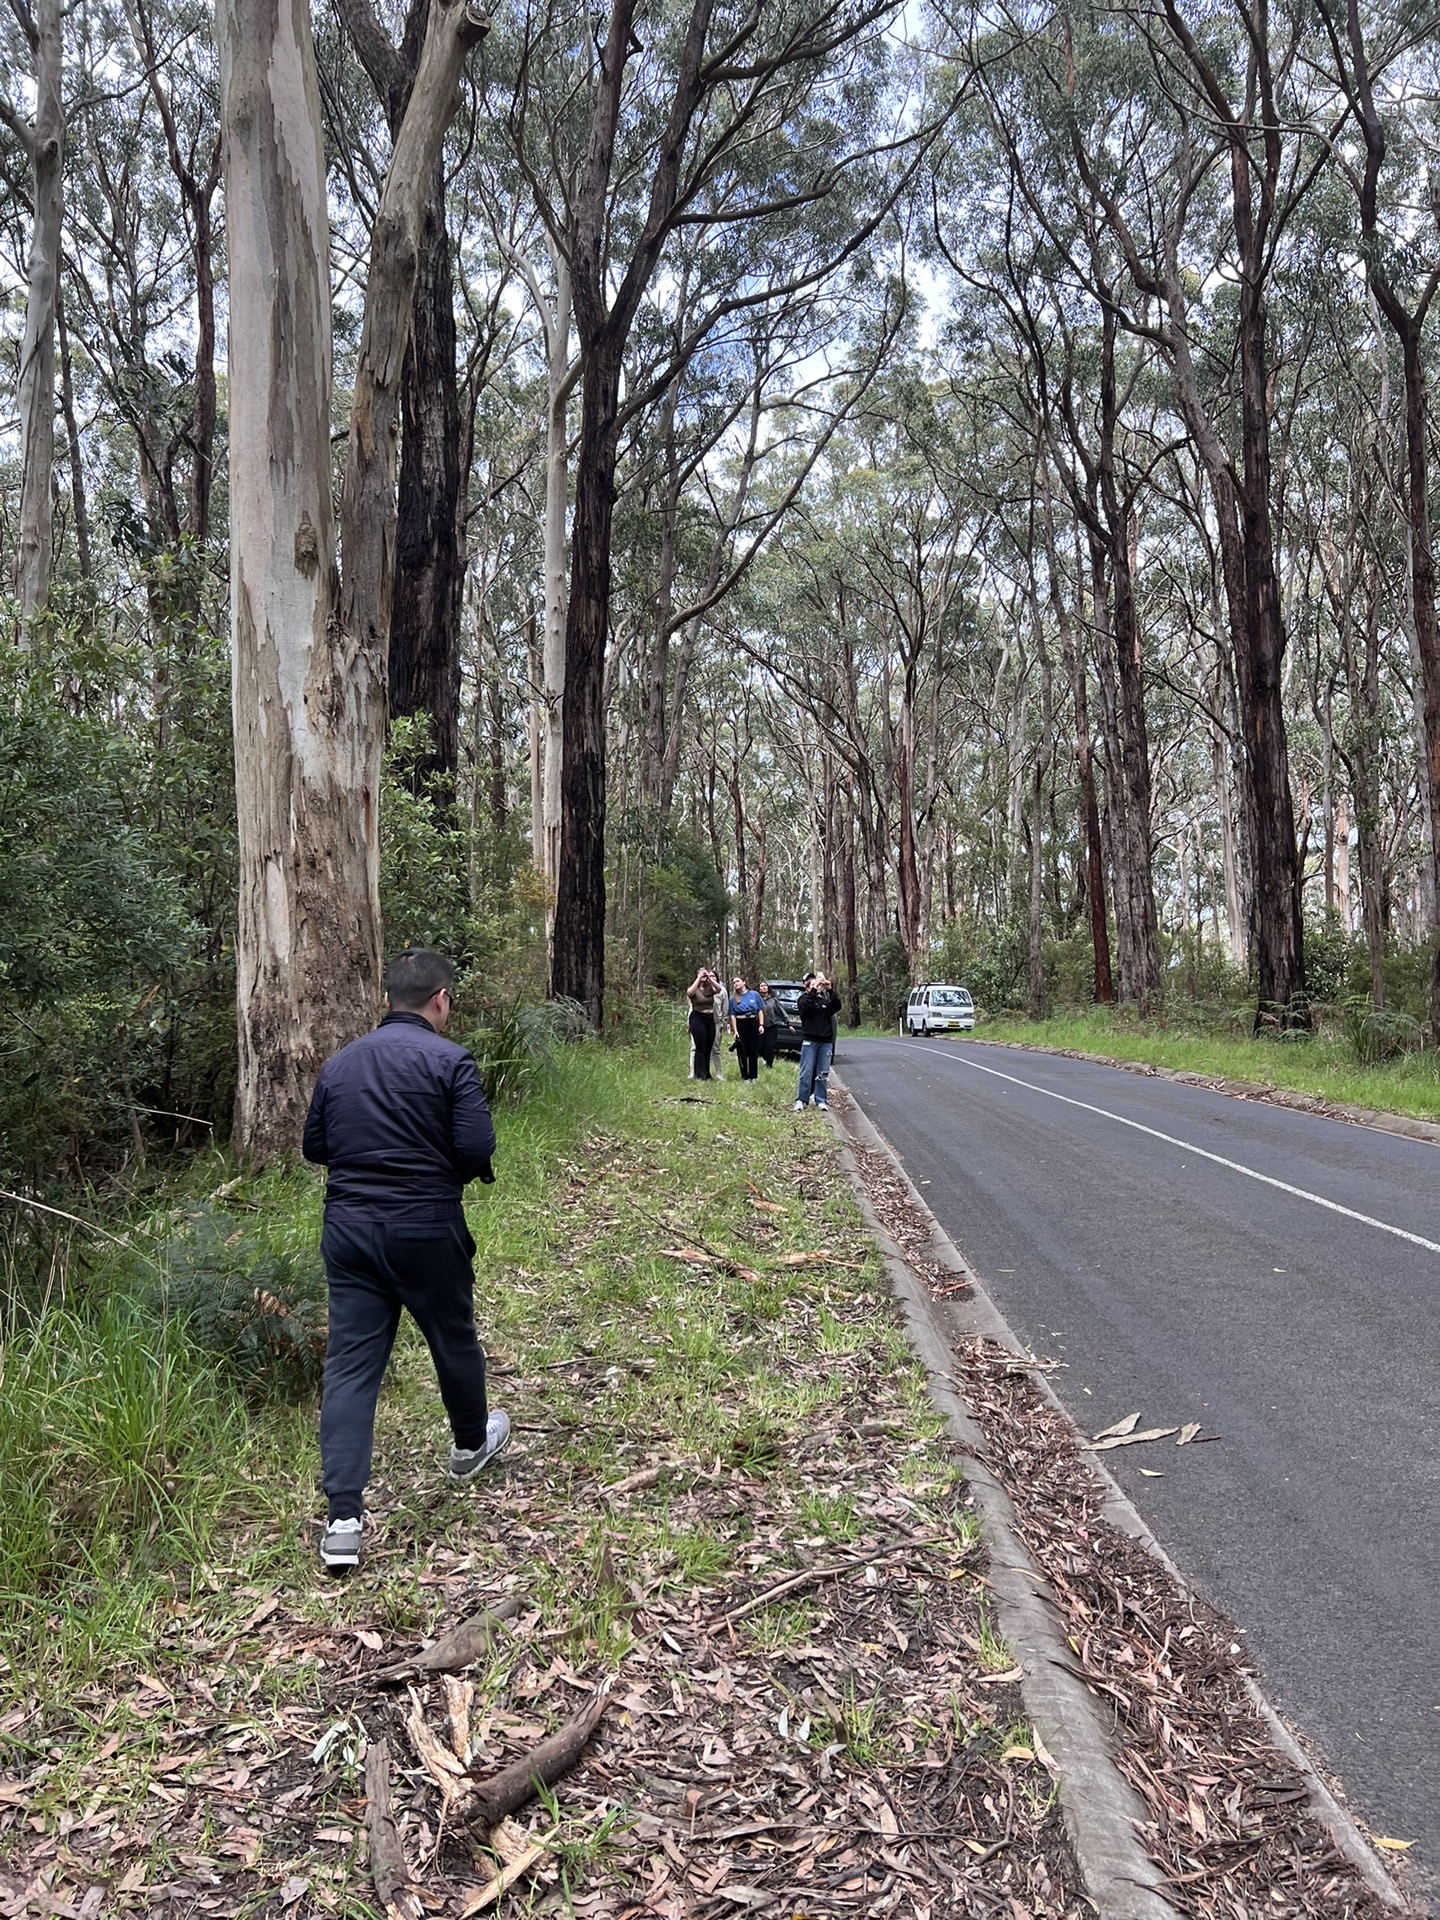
[[1098, 1803], [1289, 1097], [1100, 1808]]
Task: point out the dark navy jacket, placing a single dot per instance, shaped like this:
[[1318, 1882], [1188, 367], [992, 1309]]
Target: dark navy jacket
[[817, 1014], [399, 1117]]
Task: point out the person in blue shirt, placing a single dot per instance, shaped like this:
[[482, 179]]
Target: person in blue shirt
[[747, 1023]]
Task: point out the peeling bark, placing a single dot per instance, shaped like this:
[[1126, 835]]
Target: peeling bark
[[309, 657]]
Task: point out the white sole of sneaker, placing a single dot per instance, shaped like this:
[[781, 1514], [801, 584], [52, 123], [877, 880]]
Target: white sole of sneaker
[[480, 1465]]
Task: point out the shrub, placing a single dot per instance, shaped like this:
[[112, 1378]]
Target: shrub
[[885, 980], [515, 1048], [1376, 1035], [257, 1309]]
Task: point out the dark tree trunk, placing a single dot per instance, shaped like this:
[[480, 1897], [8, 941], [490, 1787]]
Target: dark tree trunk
[[850, 930], [578, 961], [429, 566], [424, 658]]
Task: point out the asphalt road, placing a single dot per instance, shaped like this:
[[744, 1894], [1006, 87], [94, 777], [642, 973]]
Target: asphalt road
[[1303, 1337]]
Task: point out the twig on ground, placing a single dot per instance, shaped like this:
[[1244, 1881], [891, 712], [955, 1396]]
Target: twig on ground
[[393, 1882], [809, 1575], [520, 1854], [472, 1640], [508, 1790]]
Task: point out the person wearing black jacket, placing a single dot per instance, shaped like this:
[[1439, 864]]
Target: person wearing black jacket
[[399, 1118], [818, 1005]]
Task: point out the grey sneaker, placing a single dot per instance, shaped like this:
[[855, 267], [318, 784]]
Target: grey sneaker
[[822, 1106], [465, 1462], [799, 1107], [340, 1545]]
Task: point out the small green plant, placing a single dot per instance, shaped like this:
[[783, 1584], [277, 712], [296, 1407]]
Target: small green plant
[[515, 1047], [994, 1656], [257, 1309], [859, 1727], [1377, 1034], [831, 1515]]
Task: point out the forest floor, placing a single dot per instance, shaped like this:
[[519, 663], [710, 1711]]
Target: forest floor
[[1323, 1066], [728, 1499]]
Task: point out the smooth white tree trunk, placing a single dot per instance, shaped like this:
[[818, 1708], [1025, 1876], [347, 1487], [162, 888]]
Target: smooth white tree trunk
[[559, 383], [309, 661], [307, 945], [37, 353]]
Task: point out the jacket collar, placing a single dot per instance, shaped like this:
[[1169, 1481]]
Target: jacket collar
[[399, 1017]]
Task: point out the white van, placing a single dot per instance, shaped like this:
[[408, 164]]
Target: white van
[[939, 1010]]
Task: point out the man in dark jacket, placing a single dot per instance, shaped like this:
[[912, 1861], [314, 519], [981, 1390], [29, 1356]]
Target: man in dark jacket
[[399, 1118], [818, 1005]]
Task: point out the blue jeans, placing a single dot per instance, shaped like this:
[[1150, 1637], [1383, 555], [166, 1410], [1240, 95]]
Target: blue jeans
[[815, 1058]]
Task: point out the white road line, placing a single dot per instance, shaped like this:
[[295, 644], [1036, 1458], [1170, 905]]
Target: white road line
[[1300, 1193]]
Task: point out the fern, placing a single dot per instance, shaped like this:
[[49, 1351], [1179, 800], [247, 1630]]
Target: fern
[[258, 1309]]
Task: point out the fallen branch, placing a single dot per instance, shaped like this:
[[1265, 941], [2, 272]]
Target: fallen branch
[[393, 1882], [472, 1640], [508, 1790], [519, 1859], [809, 1575]]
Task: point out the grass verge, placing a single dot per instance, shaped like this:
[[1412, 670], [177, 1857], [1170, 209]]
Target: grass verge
[[1322, 1065], [728, 1494]]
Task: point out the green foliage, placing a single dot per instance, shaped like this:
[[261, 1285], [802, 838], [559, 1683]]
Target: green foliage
[[669, 904], [515, 1048], [451, 884], [885, 980], [256, 1309], [1335, 962], [424, 898], [991, 961], [1376, 1034], [116, 877], [116, 1450], [84, 901]]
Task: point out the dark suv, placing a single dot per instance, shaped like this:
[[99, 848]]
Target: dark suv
[[786, 1020]]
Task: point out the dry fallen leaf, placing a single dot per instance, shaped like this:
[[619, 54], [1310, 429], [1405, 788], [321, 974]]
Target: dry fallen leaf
[[805, 1259], [1132, 1439], [1393, 1846], [1127, 1425], [1188, 1433], [1153, 1473]]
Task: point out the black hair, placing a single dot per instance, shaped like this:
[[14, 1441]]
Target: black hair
[[414, 977]]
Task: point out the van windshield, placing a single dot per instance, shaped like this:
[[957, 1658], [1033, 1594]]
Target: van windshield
[[949, 997]]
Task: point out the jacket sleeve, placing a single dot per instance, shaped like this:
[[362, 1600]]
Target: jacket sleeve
[[314, 1144], [805, 1005], [834, 1000], [472, 1130]]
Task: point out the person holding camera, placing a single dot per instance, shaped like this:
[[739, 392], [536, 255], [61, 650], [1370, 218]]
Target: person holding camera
[[703, 993], [819, 1003]]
